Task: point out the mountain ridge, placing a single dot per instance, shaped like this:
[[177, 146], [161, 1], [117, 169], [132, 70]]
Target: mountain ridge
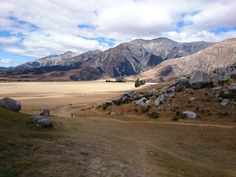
[[126, 59], [219, 55]]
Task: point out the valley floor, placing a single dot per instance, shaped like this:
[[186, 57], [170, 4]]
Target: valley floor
[[92, 146]]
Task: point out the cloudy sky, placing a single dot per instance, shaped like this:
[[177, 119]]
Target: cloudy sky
[[30, 29]]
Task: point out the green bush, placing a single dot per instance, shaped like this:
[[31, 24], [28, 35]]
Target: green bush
[[154, 115], [174, 119], [230, 95], [223, 82], [179, 115], [139, 83]]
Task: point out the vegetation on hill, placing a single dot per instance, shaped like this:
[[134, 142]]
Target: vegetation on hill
[[139, 83]]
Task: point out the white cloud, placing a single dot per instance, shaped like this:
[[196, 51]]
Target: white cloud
[[48, 42], [214, 15], [7, 62], [8, 40], [121, 20], [13, 49], [199, 36], [135, 18]]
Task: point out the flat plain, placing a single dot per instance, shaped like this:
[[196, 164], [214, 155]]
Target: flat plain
[[55, 95]]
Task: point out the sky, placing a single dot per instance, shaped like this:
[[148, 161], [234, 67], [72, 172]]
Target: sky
[[30, 29]]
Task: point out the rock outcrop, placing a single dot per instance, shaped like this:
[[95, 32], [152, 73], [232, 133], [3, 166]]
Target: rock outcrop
[[41, 121], [199, 79], [10, 104]]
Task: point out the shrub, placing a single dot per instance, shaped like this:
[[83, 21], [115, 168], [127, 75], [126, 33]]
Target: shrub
[[174, 119], [179, 115], [106, 105], [139, 83], [223, 114], [222, 83], [153, 115], [230, 95]]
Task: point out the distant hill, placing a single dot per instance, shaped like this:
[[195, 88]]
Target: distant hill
[[220, 55]]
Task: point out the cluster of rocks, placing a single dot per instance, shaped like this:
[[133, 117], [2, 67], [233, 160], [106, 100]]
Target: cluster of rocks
[[225, 94], [223, 74], [127, 98], [42, 120], [197, 80], [10, 104]]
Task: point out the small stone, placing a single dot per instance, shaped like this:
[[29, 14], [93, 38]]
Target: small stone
[[190, 114], [45, 112], [224, 102], [192, 99]]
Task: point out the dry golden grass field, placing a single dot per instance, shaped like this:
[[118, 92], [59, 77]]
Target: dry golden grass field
[[54, 95], [100, 146]]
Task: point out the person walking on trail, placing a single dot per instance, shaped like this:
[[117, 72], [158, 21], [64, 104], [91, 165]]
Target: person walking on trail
[[71, 115]]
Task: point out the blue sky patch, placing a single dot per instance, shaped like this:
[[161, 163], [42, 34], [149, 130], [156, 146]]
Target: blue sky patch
[[5, 33], [16, 59], [85, 26], [21, 24], [102, 40], [181, 24], [223, 29]]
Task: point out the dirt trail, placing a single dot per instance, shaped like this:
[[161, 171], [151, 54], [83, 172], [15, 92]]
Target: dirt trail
[[66, 111], [109, 147]]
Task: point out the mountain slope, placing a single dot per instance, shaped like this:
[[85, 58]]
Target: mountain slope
[[51, 60], [139, 55], [123, 60], [220, 55]]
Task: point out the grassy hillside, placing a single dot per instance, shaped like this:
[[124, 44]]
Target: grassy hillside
[[201, 101], [20, 142]]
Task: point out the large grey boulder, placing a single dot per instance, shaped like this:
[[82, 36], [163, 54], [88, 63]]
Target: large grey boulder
[[10, 104], [199, 79], [41, 121], [190, 114], [181, 84], [144, 104], [160, 100]]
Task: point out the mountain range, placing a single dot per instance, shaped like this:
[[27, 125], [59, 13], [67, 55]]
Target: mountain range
[[126, 59], [218, 56]]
